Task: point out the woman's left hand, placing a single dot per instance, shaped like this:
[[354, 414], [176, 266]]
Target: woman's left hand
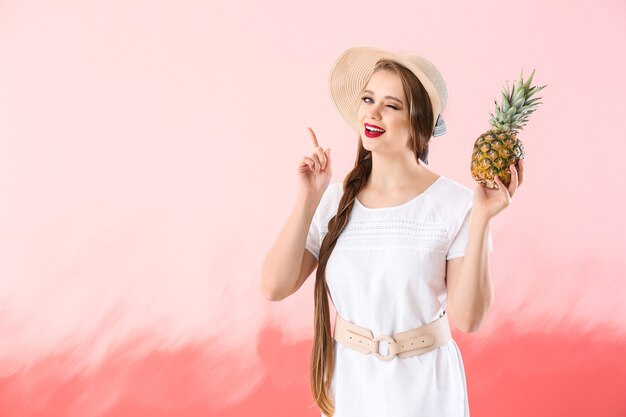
[[490, 202]]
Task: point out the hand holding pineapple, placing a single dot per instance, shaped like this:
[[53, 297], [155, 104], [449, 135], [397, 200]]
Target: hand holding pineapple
[[488, 201], [496, 163]]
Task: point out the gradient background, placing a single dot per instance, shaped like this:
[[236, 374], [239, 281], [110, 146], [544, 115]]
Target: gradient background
[[148, 160]]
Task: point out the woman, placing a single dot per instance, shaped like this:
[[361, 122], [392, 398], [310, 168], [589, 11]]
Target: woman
[[407, 244]]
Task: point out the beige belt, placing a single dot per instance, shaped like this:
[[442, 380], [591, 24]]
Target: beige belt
[[410, 343]]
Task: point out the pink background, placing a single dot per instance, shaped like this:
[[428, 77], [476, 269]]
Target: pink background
[[148, 156]]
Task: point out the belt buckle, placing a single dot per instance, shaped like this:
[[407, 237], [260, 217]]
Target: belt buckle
[[389, 356]]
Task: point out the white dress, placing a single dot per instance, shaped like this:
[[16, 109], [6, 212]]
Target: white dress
[[387, 273]]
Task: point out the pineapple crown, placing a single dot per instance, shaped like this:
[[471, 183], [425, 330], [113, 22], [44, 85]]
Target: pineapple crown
[[517, 105]]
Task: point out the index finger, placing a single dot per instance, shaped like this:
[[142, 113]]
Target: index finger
[[314, 137]]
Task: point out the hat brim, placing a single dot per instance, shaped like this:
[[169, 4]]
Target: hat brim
[[354, 67]]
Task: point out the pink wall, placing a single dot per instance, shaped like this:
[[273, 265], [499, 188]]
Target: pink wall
[[140, 141]]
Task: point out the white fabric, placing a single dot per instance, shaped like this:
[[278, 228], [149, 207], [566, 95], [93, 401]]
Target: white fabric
[[387, 273]]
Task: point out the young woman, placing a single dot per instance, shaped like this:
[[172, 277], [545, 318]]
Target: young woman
[[396, 247]]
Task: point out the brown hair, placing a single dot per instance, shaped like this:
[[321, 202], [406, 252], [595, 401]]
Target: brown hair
[[422, 121]]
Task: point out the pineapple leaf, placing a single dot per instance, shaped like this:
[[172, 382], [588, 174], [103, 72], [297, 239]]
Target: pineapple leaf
[[505, 103], [518, 95], [533, 90], [505, 91], [530, 102], [527, 84], [536, 89]]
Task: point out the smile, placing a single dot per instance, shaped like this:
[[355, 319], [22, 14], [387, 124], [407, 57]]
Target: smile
[[373, 132]]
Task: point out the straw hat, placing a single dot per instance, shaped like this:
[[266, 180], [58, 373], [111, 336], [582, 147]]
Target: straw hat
[[353, 68]]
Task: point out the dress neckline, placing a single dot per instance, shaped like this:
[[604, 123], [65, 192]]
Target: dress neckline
[[358, 202]]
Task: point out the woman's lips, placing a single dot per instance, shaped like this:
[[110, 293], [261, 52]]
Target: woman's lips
[[370, 134]]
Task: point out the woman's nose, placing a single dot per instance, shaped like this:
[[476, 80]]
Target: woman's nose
[[373, 112]]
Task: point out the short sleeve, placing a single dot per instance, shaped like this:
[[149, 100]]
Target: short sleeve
[[313, 241], [461, 238], [319, 224]]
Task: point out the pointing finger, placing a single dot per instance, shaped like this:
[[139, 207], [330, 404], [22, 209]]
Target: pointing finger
[[312, 133]]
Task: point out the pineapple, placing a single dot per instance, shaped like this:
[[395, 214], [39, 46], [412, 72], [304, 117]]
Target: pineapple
[[498, 148]]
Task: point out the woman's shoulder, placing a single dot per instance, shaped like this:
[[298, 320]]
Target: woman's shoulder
[[455, 188], [454, 196], [334, 190], [331, 197]]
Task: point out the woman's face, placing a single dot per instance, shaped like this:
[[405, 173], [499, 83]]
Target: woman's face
[[384, 105]]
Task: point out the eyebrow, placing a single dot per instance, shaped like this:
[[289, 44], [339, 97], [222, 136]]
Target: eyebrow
[[390, 97]]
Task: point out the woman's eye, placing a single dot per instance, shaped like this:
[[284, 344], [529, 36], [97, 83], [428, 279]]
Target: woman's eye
[[367, 98]]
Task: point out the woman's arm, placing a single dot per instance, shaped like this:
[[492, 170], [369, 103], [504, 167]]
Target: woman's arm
[[470, 287], [282, 271]]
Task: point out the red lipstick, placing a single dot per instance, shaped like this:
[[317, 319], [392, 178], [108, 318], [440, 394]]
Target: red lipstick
[[373, 133]]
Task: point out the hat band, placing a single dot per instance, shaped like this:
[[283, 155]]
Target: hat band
[[440, 127]]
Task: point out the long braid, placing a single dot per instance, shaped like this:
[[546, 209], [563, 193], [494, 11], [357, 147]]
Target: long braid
[[323, 355]]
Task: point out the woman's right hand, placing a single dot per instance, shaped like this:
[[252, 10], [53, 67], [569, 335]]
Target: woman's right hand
[[315, 171]]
